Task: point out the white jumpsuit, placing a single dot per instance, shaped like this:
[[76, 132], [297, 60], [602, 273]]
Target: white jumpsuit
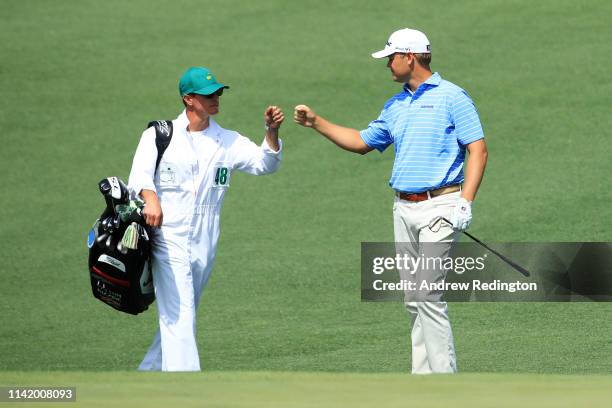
[[193, 177]]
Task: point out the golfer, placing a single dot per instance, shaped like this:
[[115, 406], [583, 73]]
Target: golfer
[[183, 203], [432, 123]]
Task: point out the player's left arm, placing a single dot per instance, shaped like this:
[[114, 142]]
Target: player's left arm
[[474, 168], [468, 130], [469, 133]]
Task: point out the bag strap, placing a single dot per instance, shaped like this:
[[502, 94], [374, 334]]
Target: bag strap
[[163, 136]]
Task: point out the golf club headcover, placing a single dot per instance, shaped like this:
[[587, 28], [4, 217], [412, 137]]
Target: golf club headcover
[[115, 192], [163, 136]]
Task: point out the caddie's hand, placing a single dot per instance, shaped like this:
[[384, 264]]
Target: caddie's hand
[[462, 215], [152, 211], [273, 116], [303, 115]]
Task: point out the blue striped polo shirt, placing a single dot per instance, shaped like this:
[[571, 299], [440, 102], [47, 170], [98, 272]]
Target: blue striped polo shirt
[[429, 130]]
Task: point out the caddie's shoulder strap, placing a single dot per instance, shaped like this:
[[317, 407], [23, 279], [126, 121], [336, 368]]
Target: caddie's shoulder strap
[[163, 136]]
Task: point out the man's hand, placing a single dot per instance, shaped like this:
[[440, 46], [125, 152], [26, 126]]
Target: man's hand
[[273, 117], [152, 211], [462, 215], [304, 116], [346, 138]]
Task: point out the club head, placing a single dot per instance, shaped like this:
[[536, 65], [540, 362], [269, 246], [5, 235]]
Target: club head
[[123, 193], [109, 242], [114, 191], [116, 222], [436, 223], [105, 224], [102, 238], [105, 187]]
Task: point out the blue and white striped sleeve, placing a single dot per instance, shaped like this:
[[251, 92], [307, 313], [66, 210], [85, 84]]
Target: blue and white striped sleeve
[[377, 134], [465, 118]]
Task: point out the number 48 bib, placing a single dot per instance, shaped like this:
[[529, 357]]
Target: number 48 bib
[[222, 176]]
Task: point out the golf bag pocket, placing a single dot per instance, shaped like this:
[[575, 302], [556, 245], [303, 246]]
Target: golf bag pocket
[[122, 279], [109, 289]]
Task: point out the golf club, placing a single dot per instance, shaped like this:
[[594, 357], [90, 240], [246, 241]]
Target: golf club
[[513, 264]]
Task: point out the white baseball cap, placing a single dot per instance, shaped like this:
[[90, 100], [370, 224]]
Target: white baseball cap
[[405, 40]]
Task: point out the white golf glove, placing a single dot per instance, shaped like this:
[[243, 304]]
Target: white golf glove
[[462, 215]]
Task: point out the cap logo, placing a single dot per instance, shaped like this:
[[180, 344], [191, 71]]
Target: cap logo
[[428, 47], [388, 44], [209, 77]]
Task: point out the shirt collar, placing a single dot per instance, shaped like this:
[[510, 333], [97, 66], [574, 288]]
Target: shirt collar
[[433, 80], [181, 120]]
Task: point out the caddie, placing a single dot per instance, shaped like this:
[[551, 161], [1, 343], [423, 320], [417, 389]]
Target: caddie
[[183, 203], [432, 123]]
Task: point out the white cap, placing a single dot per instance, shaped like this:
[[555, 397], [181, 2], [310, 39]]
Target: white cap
[[405, 40]]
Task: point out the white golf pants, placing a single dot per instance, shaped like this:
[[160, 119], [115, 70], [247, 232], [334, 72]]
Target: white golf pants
[[433, 349]]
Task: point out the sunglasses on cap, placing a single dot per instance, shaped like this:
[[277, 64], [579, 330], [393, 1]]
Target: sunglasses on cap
[[218, 92]]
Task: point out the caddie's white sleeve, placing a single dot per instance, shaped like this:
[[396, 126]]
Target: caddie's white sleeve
[[253, 159], [143, 166]]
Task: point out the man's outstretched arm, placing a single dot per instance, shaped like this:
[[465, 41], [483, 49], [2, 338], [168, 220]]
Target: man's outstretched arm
[[346, 138]]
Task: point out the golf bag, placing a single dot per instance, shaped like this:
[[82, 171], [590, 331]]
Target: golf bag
[[120, 251], [119, 243]]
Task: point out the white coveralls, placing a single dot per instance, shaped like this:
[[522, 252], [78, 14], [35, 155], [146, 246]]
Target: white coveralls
[[193, 177]]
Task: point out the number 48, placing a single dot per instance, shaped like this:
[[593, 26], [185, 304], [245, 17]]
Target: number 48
[[221, 176]]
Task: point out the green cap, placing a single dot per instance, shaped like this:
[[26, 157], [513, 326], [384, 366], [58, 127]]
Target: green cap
[[199, 80]]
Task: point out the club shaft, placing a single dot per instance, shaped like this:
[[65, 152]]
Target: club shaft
[[519, 268]]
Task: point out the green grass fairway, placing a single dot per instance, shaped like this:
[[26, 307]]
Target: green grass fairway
[[80, 79], [301, 390]]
